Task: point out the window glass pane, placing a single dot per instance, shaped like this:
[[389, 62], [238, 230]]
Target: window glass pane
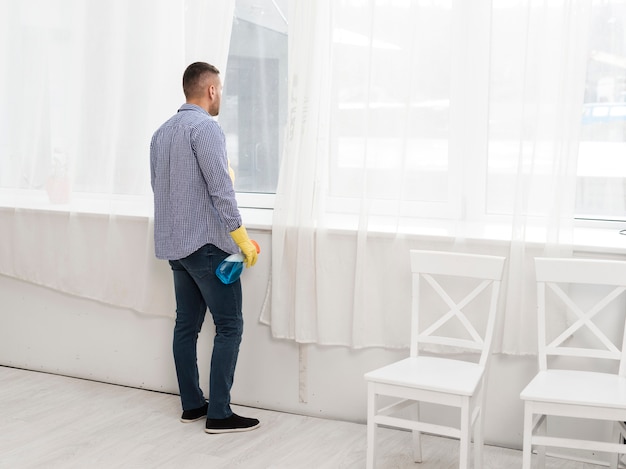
[[254, 102], [525, 110], [601, 182], [391, 110]]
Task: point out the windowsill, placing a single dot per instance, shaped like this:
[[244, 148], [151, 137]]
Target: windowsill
[[127, 206], [587, 236], [600, 240], [88, 204], [592, 237]]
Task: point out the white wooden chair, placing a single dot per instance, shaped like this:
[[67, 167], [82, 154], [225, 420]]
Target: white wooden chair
[[438, 377], [584, 338]]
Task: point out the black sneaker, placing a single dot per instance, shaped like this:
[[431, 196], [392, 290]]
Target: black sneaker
[[194, 414], [234, 423]]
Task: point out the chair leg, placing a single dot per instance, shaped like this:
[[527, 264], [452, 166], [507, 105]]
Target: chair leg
[[371, 427], [464, 443], [617, 436], [417, 446], [479, 441], [528, 429], [416, 435], [542, 430]]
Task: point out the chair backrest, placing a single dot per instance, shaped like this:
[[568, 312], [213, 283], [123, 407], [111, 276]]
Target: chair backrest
[[468, 287], [579, 309]]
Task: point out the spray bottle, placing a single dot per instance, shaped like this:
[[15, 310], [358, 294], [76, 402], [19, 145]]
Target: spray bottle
[[230, 268]]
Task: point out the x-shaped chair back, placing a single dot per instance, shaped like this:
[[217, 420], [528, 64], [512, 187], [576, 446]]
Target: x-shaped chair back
[[431, 270], [554, 278]]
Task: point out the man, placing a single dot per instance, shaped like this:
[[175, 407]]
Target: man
[[196, 225]]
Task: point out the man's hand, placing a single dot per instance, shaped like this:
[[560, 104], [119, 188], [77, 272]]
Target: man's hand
[[248, 249]]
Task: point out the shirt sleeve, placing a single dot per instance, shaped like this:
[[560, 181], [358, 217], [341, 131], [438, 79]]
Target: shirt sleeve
[[152, 162]]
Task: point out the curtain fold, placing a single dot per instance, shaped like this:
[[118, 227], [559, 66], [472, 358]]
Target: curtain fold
[[304, 177], [434, 126], [543, 195], [83, 87]]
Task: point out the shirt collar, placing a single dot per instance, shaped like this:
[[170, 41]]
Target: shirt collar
[[192, 107]]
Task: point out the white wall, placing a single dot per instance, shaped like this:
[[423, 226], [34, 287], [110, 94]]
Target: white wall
[[44, 330]]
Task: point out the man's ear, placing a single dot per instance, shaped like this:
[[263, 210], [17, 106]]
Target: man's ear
[[211, 91]]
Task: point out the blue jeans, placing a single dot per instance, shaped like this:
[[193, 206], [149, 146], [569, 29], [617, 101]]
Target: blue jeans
[[196, 288]]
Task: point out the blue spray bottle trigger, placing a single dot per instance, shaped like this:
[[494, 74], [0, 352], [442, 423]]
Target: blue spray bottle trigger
[[230, 268]]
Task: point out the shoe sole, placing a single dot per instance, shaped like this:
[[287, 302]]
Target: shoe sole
[[193, 420], [214, 431]]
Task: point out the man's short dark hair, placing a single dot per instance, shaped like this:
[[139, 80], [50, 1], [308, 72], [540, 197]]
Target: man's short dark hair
[[194, 76]]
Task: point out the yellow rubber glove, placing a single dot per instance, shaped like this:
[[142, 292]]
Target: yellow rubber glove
[[240, 236]]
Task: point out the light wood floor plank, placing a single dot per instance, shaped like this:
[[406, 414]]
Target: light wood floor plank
[[49, 421]]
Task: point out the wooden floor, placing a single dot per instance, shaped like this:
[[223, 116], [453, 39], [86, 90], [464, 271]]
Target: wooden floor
[[49, 421]]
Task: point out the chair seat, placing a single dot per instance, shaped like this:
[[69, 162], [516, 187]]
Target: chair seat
[[431, 373], [577, 387]]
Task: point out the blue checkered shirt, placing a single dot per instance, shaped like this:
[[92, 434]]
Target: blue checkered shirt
[[194, 198]]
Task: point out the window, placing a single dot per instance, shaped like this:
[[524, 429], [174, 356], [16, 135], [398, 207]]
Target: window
[[600, 125], [391, 113], [438, 102], [601, 182], [254, 103], [83, 87], [418, 87], [78, 109]]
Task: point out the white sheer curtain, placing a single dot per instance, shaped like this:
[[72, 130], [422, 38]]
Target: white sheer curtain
[[437, 124], [83, 86]]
